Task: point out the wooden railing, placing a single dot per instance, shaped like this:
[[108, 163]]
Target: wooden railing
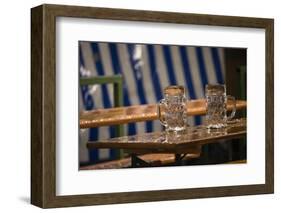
[[137, 113]]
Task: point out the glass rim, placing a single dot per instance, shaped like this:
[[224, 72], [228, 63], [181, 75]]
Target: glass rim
[[215, 86], [174, 90]]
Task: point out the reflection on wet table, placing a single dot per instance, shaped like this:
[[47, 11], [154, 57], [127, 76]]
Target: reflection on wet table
[[170, 142]]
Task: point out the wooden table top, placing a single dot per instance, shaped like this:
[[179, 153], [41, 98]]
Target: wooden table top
[[162, 142], [137, 113]]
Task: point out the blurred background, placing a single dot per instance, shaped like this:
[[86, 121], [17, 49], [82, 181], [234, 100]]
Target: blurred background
[[146, 69]]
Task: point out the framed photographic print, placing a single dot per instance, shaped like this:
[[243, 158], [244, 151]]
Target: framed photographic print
[[135, 106]]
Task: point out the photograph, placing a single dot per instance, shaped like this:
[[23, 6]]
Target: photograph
[[157, 105], [140, 105]]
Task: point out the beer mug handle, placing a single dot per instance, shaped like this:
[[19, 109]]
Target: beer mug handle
[[234, 107], [160, 117]]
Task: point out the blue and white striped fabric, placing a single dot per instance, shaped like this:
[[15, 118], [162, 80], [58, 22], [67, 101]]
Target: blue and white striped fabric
[[146, 71]]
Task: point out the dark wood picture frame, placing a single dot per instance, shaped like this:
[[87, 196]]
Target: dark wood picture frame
[[43, 105]]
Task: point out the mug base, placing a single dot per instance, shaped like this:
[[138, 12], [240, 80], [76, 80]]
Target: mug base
[[177, 129], [216, 126]]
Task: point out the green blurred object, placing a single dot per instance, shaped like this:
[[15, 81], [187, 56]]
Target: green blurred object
[[117, 82]]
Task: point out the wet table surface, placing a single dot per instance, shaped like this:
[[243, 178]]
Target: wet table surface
[[187, 141], [137, 113]]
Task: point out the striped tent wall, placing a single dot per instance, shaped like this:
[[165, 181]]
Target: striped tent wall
[[146, 71]]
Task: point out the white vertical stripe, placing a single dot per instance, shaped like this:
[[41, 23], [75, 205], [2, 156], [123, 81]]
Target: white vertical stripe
[[126, 129], [162, 75], [96, 89], [209, 65], [130, 80], [179, 73], [108, 71], [104, 134], [81, 103], [177, 64], [83, 135], [194, 68], [87, 55], [89, 65], [128, 73], [149, 88], [145, 74], [222, 61], [83, 139], [160, 66], [105, 58], [157, 126], [104, 154]]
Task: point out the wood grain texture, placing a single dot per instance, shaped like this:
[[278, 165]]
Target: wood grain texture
[[156, 16], [43, 107], [49, 106], [159, 195], [269, 106], [43, 102], [36, 107]]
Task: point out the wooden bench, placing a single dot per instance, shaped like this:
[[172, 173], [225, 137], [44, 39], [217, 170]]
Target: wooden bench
[[152, 159], [137, 113]]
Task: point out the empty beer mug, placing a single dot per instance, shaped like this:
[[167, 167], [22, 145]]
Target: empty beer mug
[[172, 109], [216, 106]]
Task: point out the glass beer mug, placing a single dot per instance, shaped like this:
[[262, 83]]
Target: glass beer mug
[[216, 106], [171, 109]]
